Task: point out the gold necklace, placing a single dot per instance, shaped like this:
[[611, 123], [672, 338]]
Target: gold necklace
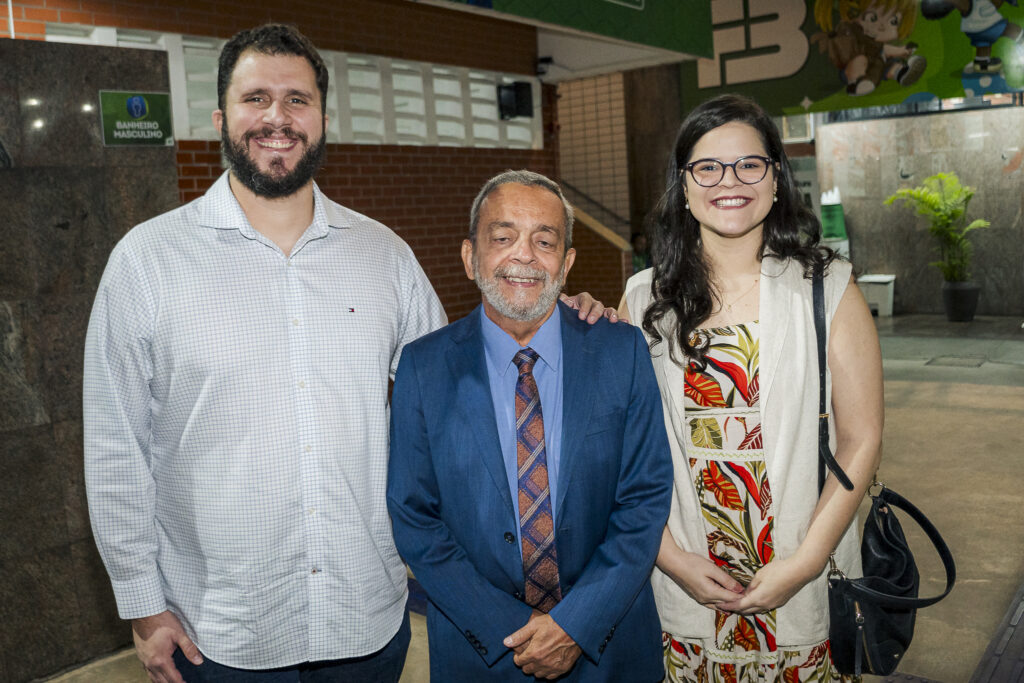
[[728, 307]]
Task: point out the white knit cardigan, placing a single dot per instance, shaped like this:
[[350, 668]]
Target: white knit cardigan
[[789, 424]]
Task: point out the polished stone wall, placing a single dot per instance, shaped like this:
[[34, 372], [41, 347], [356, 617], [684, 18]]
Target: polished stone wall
[[65, 200], [869, 160]]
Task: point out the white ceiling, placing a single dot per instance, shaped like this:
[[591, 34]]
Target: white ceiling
[[577, 55]]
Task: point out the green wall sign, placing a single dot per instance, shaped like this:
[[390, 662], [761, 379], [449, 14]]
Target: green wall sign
[[683, 27], [822, 55], [136, 118]]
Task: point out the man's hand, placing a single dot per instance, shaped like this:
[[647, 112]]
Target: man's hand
[[590, 308], [542, 649], [156, 639]]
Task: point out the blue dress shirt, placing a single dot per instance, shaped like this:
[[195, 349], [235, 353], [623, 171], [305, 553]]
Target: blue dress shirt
[[500, 349]]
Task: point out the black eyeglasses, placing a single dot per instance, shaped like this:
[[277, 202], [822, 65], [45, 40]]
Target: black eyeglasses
[[748, 170]]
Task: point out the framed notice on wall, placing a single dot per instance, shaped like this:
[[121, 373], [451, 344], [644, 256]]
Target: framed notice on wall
[[132, 118]]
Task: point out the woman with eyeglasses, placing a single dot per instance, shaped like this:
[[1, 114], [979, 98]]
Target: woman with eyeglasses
[[727, 309]]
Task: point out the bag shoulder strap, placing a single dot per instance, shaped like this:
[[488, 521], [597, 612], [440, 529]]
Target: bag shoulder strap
[[890, 497], [824, 451]]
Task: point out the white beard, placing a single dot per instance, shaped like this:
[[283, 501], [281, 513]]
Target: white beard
[[515, 308]]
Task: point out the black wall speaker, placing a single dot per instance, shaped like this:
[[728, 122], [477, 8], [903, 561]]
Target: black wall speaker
[[515, 99]]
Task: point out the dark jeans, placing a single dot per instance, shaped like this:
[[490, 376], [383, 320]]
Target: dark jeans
[[383, 666]]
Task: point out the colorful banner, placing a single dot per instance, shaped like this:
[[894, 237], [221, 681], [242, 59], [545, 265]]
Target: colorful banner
[[820, 55], [683, 27]]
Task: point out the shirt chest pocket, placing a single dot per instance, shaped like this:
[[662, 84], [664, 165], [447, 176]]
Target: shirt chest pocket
[[353, 333]]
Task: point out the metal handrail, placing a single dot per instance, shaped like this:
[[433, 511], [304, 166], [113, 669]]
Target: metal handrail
[[590, 202]]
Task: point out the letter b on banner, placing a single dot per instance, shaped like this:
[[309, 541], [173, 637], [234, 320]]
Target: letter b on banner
[[763, 44]]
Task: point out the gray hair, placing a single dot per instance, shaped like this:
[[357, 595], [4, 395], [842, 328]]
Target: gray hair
[[529, 179]]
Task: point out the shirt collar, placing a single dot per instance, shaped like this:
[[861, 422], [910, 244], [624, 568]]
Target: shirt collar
[[501, 348], [220, 209]]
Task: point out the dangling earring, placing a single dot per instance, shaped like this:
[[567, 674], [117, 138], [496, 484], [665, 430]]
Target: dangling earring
[[775, 197], [687, 206]]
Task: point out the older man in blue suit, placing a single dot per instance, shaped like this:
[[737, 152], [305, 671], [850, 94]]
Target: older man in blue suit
[[530, 476]]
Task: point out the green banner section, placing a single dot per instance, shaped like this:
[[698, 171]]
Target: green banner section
[[822, 55], [136, 118], [680, 26]]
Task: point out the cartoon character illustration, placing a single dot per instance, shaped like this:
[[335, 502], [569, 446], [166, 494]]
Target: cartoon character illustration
[[863, 45], [982, 24]]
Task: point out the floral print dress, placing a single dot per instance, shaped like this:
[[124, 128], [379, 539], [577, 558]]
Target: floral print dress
[[727, 468]]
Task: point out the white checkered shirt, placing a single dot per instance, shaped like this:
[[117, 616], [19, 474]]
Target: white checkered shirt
[[236, 428]]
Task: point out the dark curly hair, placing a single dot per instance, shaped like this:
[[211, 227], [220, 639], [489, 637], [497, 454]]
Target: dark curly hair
[[682, 282], [270, 39]]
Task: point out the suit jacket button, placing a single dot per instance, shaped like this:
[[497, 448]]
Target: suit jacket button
[[517, 595], [600, 648], [469, 634], [483, 649], [510, 537]]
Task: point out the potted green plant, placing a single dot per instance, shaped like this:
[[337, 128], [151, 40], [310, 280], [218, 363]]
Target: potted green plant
[[943, 201]]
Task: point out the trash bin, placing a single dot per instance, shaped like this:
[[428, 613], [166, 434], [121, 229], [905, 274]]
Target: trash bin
[[878, 290]]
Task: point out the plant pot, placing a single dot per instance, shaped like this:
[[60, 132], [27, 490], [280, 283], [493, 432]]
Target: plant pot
[[960, 300]]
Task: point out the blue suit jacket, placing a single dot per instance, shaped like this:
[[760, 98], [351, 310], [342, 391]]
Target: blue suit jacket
[[454, 522]]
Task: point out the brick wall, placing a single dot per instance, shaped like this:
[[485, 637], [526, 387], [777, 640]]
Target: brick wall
[[422, 193]]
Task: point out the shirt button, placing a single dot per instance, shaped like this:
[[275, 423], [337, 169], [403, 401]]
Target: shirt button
[[312, 511], [510, 537], [314, 570], [295, 321], [307, 448], [302, 385]]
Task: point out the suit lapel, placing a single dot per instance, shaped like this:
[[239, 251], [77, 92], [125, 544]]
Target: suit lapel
[[468, 364], [577, 398]]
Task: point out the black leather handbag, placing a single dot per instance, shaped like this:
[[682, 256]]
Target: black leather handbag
[[871, 619]]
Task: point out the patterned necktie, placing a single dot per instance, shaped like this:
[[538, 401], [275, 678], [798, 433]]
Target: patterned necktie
[[540, 563]]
